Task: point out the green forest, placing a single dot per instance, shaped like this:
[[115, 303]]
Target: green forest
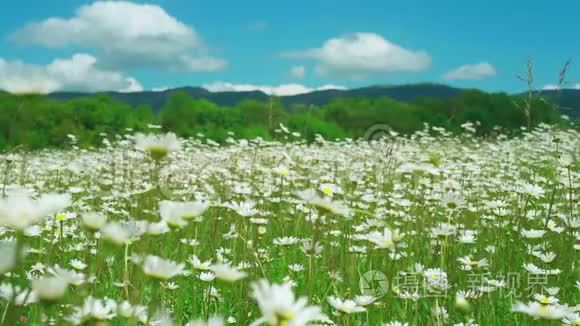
[[35, 122]]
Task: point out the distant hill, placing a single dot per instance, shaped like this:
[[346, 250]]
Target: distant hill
[[156, 100], [403, 93], [568, 99]]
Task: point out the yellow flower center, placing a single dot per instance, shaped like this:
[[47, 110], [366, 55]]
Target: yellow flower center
[[158, 275], [282, 318], [544, 300], [388, 243], [544, 309], [157, 152], [175, 223]]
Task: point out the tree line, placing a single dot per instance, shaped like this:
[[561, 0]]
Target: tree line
[[36, 122]]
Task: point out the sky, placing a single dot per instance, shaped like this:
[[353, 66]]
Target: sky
[[283, 47]]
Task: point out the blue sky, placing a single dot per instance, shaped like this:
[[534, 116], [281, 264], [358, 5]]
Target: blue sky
[[83, 45]]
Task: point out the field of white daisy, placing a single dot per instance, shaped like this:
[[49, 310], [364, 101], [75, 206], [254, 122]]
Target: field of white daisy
[[428, 229]]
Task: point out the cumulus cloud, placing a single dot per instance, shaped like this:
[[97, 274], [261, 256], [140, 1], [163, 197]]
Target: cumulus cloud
[[281, 90], [361, 54], [78, 73], [134, 86], [125, 35], [550, 87], [200, 64], [553, 87], [298, 72], [476, 71]]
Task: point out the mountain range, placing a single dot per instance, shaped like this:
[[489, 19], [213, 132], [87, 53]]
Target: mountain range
[[568, 99]]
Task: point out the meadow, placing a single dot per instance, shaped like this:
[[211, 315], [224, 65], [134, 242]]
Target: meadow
[[430, 228]]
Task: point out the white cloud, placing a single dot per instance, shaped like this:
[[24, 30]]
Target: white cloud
[[125, 35], [134, 86], [475, 71], [79, 73], [298, 72], [281, 90], [361, 54], [160, 89], [17, 77], [550, 87], [200, 64]]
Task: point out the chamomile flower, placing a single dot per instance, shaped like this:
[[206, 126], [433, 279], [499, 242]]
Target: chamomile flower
[[198, 264], [544, 299], [347, 306], [116, 233], [19, 210], [533, 234], [296, 267], [435, 279], [177, 214], [9, 255], [286, 241], [324, 204], [246, 208], [385, 240], [207, 276], [93, 221], [162, 269], [281, 170], [330, 189], [541, 311], [70, 276], [364, 300], [157, 146], [469, 264], [572, 319], [93, 311], [531, 190], [77, 264], [49, 288], [311, 248], [227, 273], [279, 306], [170, 285]]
